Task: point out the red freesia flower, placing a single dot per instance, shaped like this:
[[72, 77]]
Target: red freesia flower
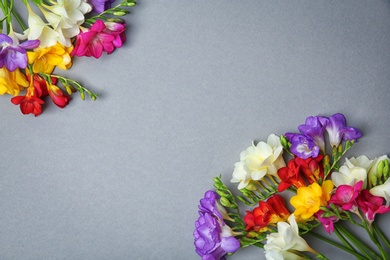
[[268, 212], [371, 205], [57, 96], [30, 103], [297, 168]]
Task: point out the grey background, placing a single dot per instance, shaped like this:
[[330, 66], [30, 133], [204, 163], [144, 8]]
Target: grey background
[[196, 82]]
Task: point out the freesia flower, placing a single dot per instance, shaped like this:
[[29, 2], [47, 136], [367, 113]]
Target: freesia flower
[[210, 203], [346, 195], [337, 129], [30, 103], [371, 205], [314, 128], [46, 59], [383, 191], [326, 221], [290, 176], [39, 30], [267, 213], [65, 16], [101, 5], [11, 82], [309, 199], [213, 238], [12, 54], [258, 160], [57, 96], [284, 243], [352, 171], [100, 37], [303, 146]]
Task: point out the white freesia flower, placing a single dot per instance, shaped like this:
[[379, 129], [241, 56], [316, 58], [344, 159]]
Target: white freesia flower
[[39, 30], [258, 160], [382, 191], [282, 244], [353, 171], [65, 16]]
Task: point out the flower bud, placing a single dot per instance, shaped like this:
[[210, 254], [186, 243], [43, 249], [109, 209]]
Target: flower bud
[[225, 202]]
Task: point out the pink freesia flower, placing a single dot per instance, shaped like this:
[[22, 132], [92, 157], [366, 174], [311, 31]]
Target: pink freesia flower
[[100, 37], [345, 196], [371, 205], [327, 222]]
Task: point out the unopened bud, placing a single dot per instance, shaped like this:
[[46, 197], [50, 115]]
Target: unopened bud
[[373, 180], [82, 95], [379, 169], [119, 13], [225, 202]]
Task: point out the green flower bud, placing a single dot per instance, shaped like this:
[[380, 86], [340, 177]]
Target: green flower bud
[[119, 13], [379, 169], [373, 180], [251, 186], [225, 202]]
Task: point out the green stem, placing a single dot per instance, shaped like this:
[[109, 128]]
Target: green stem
[[375, 240], [19, 20], [346, 249], [359, 244], [381, 235]]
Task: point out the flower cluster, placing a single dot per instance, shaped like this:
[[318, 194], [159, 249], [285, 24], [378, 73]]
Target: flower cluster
[[56, 32], [306, 168]]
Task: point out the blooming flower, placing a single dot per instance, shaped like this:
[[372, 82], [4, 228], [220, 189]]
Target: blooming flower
[[101, 5], [314, 128], [65, 16], [258, 160], [46, 59], [309, 199], [327, 222], [39, 30], [371, 205], [290, 176], [336, 126], [383, 191], [284, 243], [303, 146], [11, 82], [213, 238], [210, 203], [12, 54], [100, 37], [268, 212], [353, 171], [30, 103], [346, 195]]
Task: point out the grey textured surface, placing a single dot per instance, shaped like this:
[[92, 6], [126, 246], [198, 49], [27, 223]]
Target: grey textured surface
[[196, 82]]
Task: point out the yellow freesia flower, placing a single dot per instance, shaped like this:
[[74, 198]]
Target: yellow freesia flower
[[309, 199], [46, 59], [12, 82]]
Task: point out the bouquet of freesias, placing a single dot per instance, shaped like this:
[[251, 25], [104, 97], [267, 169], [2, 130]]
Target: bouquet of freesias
[[292, 185], [56, 31]]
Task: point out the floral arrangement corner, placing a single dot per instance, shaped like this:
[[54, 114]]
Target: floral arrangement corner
[[56, 32], [305, 167]]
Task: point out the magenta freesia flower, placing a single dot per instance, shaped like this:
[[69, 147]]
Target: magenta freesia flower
[[345, 196], [336, 126], [371, 205], [12, 54], [100, 5], [303, 146], [100, 37], [212, 237], [327, 222]]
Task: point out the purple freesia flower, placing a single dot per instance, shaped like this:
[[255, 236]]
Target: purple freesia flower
[[212, 237], [314, 127], [100, 6], [303, 146], [12, 54], [210, 203], [336, 126]]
